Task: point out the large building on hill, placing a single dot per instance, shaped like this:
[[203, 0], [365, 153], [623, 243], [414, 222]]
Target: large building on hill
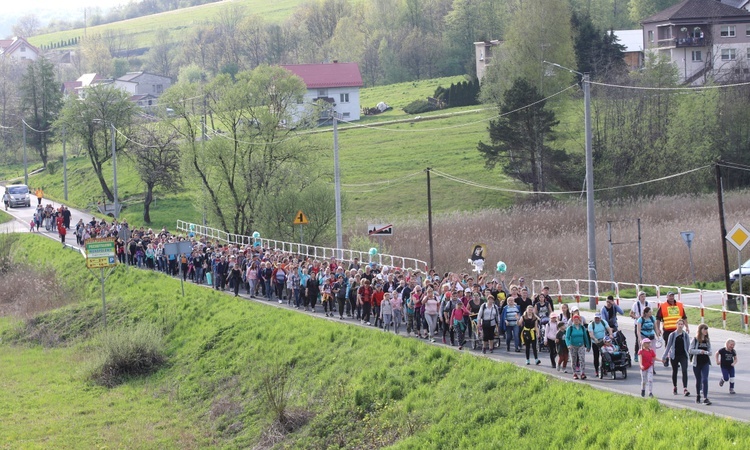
[[335, 83], [704, 39]]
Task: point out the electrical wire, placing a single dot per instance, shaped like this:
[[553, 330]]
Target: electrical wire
[[35, 130], [427, 130], [685, 88], [375, 183], [518, 191], [131, 139]]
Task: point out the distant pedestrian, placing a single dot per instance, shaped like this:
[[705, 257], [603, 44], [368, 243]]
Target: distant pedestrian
[[647, 356], [635, 313], [578, 341], [726, 358], [39, 196], [62, 231]]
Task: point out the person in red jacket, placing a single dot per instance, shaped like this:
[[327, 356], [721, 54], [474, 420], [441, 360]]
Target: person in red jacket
[[364, 298], [63, 231]]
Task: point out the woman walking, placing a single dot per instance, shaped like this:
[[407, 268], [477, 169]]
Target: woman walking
[[530, 332], [700, 350], [678, 345], [431, 307], [578, 342], [488, 319]]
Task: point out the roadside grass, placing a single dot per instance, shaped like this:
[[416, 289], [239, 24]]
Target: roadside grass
[[360, 387], [179, 22], [5, 217]]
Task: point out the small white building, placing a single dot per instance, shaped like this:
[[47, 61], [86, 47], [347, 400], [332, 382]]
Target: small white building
[[143, 83], [485, 52], [335, 83], [18, 48]]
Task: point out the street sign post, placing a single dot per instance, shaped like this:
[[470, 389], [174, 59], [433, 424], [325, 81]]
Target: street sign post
[[177, 249], [739, 237], [688, 236], [380, 230], [300, 219], [100, 254]]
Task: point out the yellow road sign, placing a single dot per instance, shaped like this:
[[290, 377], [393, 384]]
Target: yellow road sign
[[300, 218], [738, 236]]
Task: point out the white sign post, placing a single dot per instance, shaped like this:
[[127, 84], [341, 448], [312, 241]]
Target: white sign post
[[739, 237], [380, 230]]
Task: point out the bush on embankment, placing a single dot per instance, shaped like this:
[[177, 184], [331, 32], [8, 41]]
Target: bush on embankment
[[349, 387]]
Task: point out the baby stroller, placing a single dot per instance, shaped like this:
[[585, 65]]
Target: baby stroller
[[619, 360]]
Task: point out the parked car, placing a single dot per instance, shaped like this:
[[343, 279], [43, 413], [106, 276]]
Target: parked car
[[19, 196], [735, 274]]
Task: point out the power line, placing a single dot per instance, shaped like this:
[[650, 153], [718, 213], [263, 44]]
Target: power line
[[424, 130], [35, 130], [685, 88], [374, 183]]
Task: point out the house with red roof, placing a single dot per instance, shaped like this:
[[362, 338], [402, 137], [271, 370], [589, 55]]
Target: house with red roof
[[18, 48], [335, 83]]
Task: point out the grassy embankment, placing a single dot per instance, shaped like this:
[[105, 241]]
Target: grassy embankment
[[180, 22], [359, 387], [4, 217]]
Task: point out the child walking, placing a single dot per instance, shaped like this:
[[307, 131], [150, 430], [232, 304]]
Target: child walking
[[562, 348], [647, 356], [386, 311], [726, 359]]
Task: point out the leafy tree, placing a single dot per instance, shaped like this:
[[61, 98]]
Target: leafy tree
[[539, 30], [641, 9], [41, 101], [597, 52], [519, 140], [90, 120]]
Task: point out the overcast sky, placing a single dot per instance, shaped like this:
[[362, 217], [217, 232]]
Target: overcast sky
[[47, 10]]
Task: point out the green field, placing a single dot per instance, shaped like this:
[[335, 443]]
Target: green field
[[355, 386], [179, 22]]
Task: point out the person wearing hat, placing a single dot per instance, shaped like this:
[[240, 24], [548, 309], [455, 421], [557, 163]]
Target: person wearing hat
[[598, 329], [579, 342], [667, 316], [607, 349], [647, 358], [636, 311]]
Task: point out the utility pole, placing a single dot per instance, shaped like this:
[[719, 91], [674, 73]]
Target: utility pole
[[114, 169], [723, 229], [65, 167], [337, 183], [590, 216], [25, 160], [203, 145], [429, 218]]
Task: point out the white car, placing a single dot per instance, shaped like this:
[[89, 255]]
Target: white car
[[735, 274]]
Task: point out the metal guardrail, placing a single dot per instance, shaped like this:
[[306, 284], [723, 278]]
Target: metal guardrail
[[572, 288], [312, 251]]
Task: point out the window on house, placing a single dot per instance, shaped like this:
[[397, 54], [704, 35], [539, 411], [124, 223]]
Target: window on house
[[748, 54], [159, 88], [343, 98], [23, 49], [346, 114], [697, 55], [747, 30], [728, 54], [651, 36], [322, 92], [728, 31]]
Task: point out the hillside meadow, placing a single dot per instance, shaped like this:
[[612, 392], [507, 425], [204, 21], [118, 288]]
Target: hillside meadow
[[351, 387], [143, 30]]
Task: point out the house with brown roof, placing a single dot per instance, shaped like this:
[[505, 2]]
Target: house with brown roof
[[18, 48], [335, 83], [704, 39]]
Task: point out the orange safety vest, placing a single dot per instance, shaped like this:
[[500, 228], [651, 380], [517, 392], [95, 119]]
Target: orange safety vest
[[670, 314]]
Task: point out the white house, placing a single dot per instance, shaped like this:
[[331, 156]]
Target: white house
[[18, 48], [484, 54], [336, 83], [143, 83]]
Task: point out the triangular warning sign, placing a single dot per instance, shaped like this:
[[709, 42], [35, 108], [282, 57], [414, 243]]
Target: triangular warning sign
[[300, 218]]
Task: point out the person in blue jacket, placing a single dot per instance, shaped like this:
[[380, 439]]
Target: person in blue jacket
[[609, 313], [578, 342]]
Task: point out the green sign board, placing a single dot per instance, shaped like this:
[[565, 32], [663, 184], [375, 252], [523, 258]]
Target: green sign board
[[100, 253]]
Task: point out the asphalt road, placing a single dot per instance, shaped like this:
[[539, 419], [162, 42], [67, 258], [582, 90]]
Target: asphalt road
[[724, 404]]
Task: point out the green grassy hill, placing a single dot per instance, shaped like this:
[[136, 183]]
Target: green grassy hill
[[143, 29], [352, 387]]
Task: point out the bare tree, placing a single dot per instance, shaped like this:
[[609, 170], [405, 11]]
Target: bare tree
[[26, 26], [156, 157]]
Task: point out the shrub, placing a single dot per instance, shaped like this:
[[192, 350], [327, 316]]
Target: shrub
[[128, 352], [53, 167], [419, 106]]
